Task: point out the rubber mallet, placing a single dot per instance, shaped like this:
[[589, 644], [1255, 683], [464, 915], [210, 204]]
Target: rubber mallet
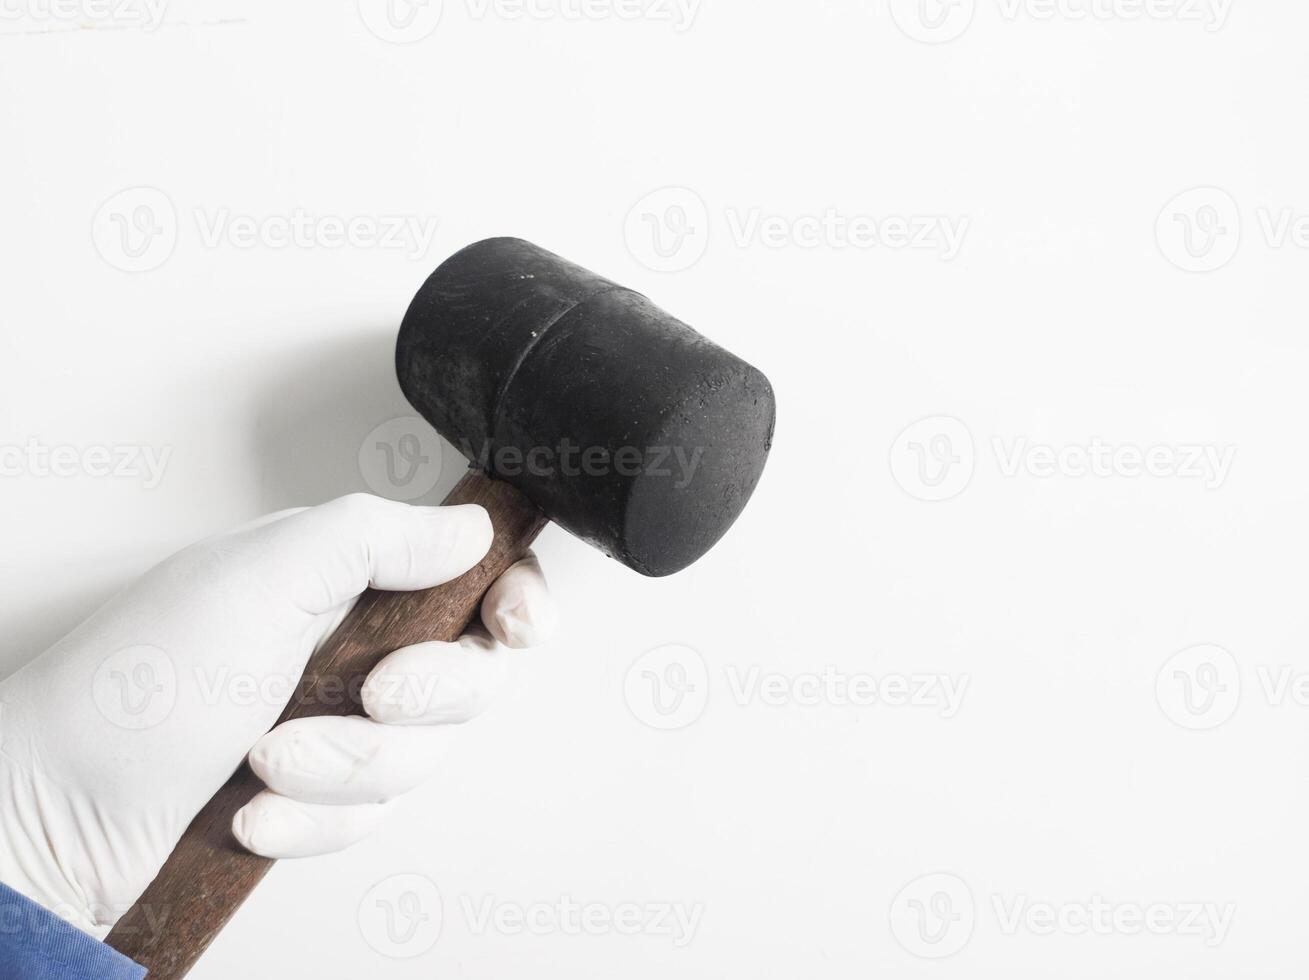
[[576, 401]]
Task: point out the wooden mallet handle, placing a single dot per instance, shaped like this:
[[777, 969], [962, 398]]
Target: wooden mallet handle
[[209, 874]]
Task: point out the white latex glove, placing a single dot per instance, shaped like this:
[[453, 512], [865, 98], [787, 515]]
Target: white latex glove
[[113, 740]]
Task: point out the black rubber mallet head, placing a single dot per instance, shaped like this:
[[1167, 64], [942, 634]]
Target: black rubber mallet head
[[577, 401], [620, 422]]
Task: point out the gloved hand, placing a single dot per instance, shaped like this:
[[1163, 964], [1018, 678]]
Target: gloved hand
[[113, 740]]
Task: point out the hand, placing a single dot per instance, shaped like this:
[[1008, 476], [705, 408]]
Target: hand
[[113, 740]]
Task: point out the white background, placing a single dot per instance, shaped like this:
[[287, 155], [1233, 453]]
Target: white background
[[1068, 314]]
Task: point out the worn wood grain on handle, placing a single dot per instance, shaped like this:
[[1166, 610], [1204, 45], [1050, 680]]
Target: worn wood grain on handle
[[209, 875]]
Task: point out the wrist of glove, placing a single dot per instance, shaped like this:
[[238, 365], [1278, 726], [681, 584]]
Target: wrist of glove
[[114, 738]]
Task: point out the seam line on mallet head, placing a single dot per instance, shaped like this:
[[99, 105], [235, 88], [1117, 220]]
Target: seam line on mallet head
[[519, 361]]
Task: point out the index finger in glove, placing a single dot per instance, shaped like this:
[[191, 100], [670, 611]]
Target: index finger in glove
[[325, 556]]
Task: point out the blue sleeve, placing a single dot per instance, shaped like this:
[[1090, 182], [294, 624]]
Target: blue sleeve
[[36, 944]]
